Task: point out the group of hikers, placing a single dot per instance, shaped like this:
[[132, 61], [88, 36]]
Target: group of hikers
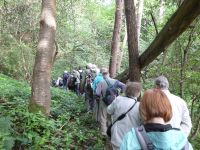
[[156, 120]]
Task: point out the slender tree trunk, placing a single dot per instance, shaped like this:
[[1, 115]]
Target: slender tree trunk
[[121, 52], [116, 38], [41, 80], [134, 68], [180, 2], [161, 9], [184, 58], [139, 18], [176, 25]]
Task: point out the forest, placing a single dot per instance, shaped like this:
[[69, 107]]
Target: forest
[[137, 40]]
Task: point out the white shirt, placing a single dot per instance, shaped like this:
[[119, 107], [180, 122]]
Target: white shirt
[[181, 117]]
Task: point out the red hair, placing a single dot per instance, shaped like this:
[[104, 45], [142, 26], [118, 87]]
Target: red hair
[[155, 103]]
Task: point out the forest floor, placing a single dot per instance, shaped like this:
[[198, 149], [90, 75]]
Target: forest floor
[[68, 127]]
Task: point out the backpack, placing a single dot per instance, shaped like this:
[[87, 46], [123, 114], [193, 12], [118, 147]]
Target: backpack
[[71, 81], [111, 93], [61, 82], [146, 143], [89, 81]]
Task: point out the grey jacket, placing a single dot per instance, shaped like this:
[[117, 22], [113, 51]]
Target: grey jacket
[[119, 106]]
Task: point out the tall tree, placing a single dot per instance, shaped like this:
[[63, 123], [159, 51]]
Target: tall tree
[[121, 51], [139, 12], [176, 25], [116, 38], [184, 58], [41, 80], [132, 32]]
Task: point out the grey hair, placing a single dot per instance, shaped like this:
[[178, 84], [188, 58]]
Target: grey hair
[[162, 82]]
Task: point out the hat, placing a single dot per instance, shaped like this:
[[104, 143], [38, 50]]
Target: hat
[[89, 66], [65, 71]]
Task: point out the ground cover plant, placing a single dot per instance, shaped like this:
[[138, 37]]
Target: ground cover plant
[[68, 127]]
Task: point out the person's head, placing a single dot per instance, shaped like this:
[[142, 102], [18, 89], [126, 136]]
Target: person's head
[[155, 104], [65, 71], [87, 71], [133, 89], [104, 71], [161, 82], [89, 66]]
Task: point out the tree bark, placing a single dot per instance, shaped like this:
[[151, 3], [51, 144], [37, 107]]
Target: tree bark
[[116, 38], [184, 58], [41, 80], [121, 52], [139, 18], [162, 9], [134, 68], [176, 25]]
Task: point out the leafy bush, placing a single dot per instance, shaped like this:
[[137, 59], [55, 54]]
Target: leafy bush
[[67, 127]]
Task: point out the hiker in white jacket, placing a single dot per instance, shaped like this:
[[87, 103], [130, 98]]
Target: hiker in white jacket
[[181, 118], [121, 105]]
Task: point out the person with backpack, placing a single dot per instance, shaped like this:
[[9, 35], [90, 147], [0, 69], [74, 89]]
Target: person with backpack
[[76, 74], [124, 111], [102, 89], [96, 81], [59, 82], [65, 78], [155, 110], [71, 83]]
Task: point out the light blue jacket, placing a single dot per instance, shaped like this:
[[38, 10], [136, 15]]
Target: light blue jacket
[[168, 140], [97, 79]]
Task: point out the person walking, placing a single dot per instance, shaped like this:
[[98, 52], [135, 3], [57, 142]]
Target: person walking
[[96, 81], [125, 104], [101, 92], [181, 118], [65, 78], [155, 110]]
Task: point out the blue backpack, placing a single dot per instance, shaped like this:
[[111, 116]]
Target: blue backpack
[[111, 92]]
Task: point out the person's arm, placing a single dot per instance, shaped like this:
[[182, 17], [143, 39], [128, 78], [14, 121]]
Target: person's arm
[[111, 108], [186, 123], [121, 86]]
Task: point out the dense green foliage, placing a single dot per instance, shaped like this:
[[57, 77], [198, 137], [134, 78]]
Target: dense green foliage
[[68, 127], [84, 32]]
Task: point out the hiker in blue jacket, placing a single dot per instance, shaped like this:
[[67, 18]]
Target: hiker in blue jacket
[[96, 81], [155, 110]]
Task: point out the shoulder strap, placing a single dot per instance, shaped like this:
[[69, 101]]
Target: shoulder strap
[[143, 138], [186, 146], [108, 83], [124, 114]]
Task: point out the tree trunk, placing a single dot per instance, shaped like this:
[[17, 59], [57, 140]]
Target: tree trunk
[[176, 25], [161, 9], [116, 38], [121, 52], [134, 69], [184, 58], [41, 80], [139, 18]]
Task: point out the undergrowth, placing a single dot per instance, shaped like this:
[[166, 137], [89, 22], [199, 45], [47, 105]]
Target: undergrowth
[[68, 126]]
